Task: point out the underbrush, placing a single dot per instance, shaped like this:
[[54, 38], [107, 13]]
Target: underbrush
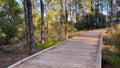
[[111, 58], [50, 42], [55, 40], [111, 48], [12, 53]]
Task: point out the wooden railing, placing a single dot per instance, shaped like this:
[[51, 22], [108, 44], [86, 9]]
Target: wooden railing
[[99, 53]]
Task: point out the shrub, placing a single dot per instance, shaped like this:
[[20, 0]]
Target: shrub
[[110, 57], [116, 37], [50, 42], [10, 19], [71, 29]]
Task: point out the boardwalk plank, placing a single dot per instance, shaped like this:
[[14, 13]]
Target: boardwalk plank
[[78, 52]]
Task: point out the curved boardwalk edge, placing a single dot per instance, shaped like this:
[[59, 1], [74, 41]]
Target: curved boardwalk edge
[[29, 57]]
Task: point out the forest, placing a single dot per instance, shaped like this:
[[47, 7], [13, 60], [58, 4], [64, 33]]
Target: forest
[[30, 26]]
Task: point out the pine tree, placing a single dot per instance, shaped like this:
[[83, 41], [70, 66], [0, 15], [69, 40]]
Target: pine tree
[[31, 38]]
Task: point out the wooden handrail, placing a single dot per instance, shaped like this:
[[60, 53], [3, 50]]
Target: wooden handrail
[[99, 53]]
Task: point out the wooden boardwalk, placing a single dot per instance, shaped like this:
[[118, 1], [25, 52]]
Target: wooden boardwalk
[[77, 52]]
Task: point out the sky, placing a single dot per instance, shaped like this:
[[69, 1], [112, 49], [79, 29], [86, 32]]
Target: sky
[[19, 1], [104, 12], [114, 1]]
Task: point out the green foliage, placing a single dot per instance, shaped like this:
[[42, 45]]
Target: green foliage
[[48, 43], [10, 18], [86, 23], [118, 1], [80, 26], [49, 1], [2, 41], [110, 57], [51, 14], [101, 25], [71, 28], [89, 22]]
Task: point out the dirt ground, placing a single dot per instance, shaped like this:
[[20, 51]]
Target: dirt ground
[[12, 53], [7, 59], [107, 66], [107, 43]]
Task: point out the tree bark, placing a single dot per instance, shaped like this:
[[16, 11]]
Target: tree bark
[[70, 10], [117, 5], [26, 22], [94, 14], [42, 23], [30, 28], [66, 11], [61, 20], [76, 6], [111, 16]]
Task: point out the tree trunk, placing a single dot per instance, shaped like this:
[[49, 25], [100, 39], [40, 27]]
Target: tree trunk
[[111, 17], [30, 28], [70, 11], [76, 6], [26, 22], [101, 10], [83, 15], [117, 10], [42, 23], [66, 28], [61, 21], [94, 14], [107, 15]]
